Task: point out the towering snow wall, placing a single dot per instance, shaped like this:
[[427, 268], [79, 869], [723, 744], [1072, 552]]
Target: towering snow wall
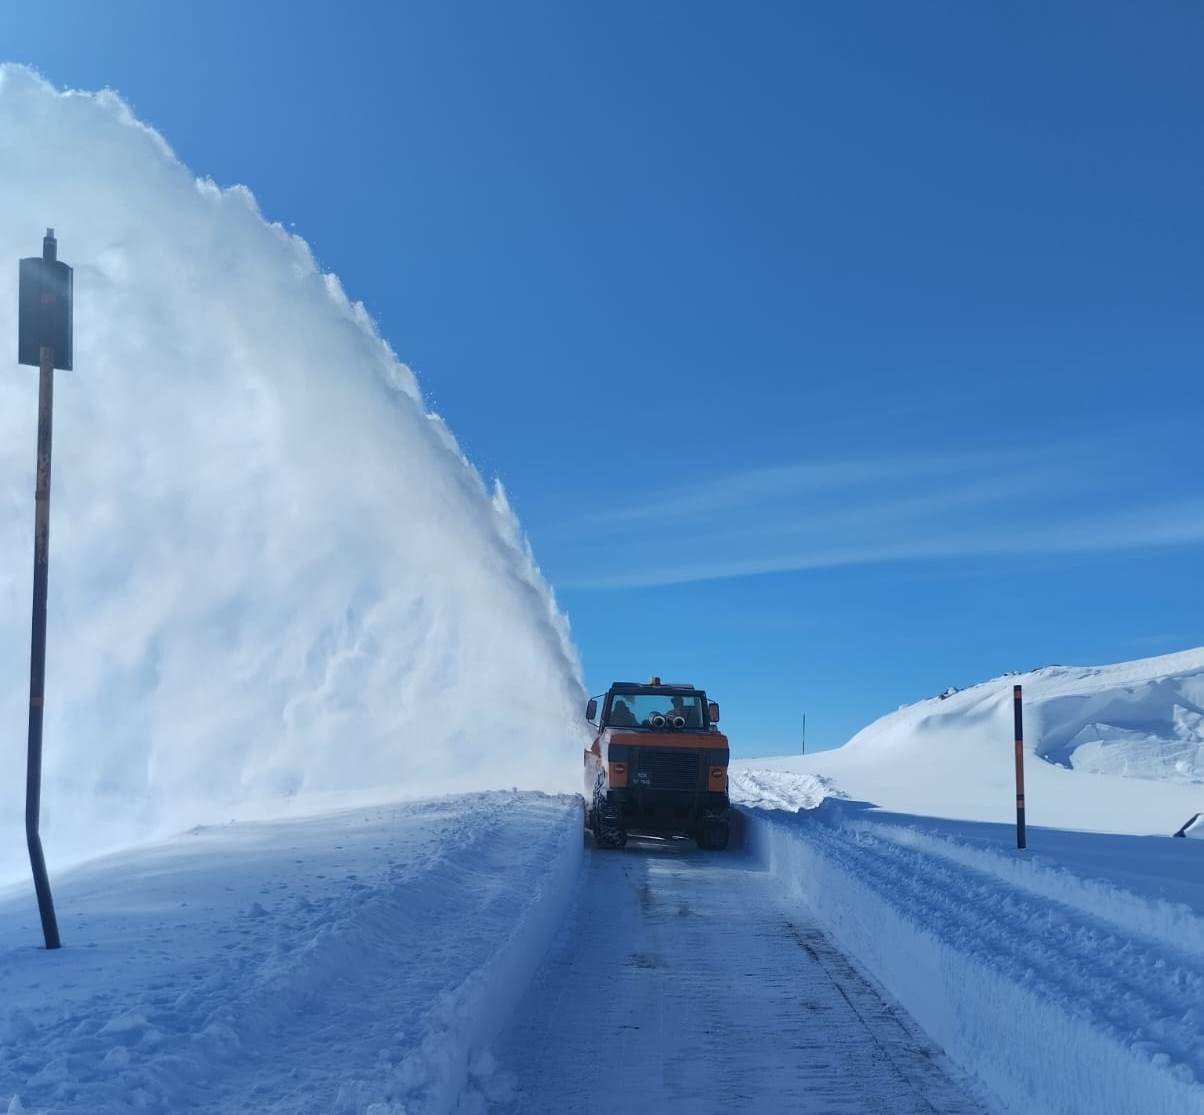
[[273, 574]]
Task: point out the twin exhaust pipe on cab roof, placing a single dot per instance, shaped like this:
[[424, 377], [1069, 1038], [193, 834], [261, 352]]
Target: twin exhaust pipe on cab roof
[[658, 721]]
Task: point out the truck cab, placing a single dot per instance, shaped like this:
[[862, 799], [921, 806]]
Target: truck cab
[[657, 766]]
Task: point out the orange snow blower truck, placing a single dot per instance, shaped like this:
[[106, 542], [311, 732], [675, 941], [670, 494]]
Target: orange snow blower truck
[[658, 765]]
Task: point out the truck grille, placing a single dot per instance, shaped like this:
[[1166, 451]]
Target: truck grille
[[670, 769]]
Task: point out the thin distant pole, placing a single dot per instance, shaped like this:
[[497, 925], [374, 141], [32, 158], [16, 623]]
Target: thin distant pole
[[1019, 722]]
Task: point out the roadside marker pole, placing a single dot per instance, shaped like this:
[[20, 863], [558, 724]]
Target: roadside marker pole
[[37, 655], [44, 340], [1019, 720]]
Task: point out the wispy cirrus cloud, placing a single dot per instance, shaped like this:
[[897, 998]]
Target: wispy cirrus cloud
[[815, 479], [1083, 497]]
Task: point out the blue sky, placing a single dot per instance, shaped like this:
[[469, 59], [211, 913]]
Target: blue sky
[[831, 353]]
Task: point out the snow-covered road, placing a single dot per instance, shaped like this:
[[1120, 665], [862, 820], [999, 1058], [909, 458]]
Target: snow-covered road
[[682, 983], [353, 962], [462, 955]]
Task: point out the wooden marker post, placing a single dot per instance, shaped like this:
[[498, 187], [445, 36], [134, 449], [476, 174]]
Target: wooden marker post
[[1019, 721]]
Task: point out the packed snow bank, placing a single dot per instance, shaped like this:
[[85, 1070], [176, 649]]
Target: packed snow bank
[[273, 573], [355, 962], [1068, 978], [1061, 994], [1112, 748]]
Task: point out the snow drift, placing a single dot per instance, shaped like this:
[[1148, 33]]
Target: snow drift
[[1115, 748], [273, 574], [1141, 719]]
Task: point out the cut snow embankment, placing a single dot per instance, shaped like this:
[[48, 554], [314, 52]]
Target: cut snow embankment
[[1068, 999], [1069, 977], [355, 962], [274, 574]]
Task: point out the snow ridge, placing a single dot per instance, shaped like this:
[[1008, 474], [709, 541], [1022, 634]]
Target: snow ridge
[[780, 790], [1141, 719], [1171, 925], [1053, 1006]]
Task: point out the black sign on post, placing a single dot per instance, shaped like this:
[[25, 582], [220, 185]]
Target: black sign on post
[[44, 339], [44, 317]]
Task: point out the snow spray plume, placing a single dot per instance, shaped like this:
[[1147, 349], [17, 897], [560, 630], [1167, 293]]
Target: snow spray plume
[[273, 574]]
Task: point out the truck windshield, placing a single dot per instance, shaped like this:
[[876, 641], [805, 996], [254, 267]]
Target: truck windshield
[[642, 710]]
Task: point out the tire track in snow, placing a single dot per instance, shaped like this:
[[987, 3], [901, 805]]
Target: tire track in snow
[[1073, 958], [1053, 1008]]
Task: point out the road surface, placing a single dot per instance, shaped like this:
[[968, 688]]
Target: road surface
[[683, 984]]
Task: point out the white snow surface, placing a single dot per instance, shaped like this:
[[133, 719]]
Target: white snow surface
[[355, 962], [1060, 991], [387, 960], [273, 573], [1115, 748], [1067, 977]]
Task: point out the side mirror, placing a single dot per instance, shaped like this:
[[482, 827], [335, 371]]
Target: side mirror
[[713, 711], [591, 709]]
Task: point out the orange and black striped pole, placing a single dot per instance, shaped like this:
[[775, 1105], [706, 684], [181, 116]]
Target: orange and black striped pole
[[1019, 719]]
